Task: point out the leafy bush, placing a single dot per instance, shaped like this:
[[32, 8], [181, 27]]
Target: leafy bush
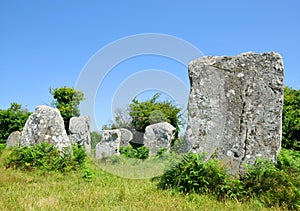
[[192, 174], [79, 155], [45, 157], [2, 146], [67, 101], [162, 153], [12, 119], [289, 160], [95, 139], [268, 183], [131, 152], [272, 186], [291, 119], [151, 111]]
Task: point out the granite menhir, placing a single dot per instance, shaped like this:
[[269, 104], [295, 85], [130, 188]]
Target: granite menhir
[[235, 108]]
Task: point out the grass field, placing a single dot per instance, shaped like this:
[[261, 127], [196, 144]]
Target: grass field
[[57, 191]]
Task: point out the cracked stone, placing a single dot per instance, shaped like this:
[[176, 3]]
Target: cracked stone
[[45, 124], [79, 132], [235, 107]]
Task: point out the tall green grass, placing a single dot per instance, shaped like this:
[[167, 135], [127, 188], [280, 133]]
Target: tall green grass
[[34, 189]]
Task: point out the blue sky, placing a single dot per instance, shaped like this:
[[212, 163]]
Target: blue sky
[[48, 43]]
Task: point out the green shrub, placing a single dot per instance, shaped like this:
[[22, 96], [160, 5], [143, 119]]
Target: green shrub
[[79, 154], [87, 173], [67, 101], [45, 157], [193, 174], [12, 119], [289, 160], [96, 137], [152, 111], [270, 184], [162, 153], [291, 119], [2, 146], [138, 152]]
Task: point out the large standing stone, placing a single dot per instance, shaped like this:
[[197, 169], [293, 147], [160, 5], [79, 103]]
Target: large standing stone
[[111, 142], [79, 132], [13, 139], [235, 108], [158, 136], [45, 124]]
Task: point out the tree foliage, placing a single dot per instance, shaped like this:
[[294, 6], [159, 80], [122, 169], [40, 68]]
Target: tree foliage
[[291, 119], [12, 119], [67, 101], [121, 119], [153, 111]]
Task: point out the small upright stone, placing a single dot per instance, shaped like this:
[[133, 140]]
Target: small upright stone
[[235, 108], [45, 124], [79, 132], [111, 142], [13, 139], [158, 136], [109, 145]]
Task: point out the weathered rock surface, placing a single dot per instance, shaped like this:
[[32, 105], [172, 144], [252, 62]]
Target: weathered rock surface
[[107, 148], [13, 139], [122, 136], [126, 137], [138, 137], [45, 124], [111, 142], [235, 107], [158, 136], [79, 132]]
